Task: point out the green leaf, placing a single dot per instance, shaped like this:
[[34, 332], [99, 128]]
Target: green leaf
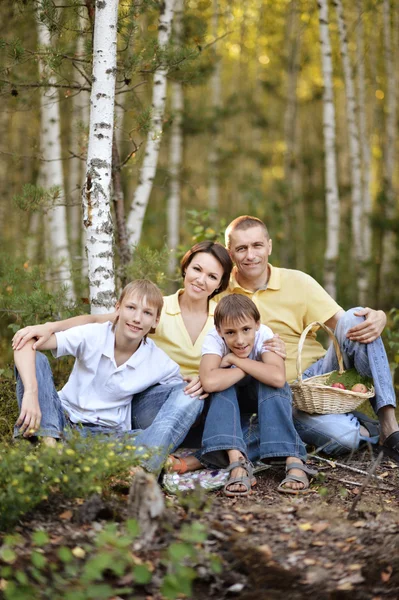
[[132, 527], [38, 560], [65, 554], [178, 551], [8, 555], [142, 575], [40, 538]]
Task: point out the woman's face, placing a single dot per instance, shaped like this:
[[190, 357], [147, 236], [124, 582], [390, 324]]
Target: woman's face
[[203, 275]]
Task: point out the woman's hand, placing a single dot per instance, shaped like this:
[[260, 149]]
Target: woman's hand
[[42, 333], [194, 387], [276, 345], [30, 416]]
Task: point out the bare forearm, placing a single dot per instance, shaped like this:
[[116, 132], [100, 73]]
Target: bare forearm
[[56, 326], [271, 375], [218, 380], [25, 362]]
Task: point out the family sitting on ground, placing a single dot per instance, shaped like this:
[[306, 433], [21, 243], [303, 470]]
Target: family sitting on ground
[[146, 370]]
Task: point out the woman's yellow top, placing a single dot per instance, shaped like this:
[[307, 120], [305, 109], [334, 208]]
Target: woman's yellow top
[[172, 336]]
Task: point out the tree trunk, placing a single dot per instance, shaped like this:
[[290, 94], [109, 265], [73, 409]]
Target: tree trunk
[[119, 207], [216, 101], [51, 174], [96, 191], [154, 137], [332, 198], [176, 151]]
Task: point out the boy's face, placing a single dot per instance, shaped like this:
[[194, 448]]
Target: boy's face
[[136, 317], [239, 335]]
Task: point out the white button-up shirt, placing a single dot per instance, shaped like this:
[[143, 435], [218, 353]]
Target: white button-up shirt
[[100, 392]]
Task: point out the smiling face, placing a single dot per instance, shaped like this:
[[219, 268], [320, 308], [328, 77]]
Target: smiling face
[[250, 249], [136, 317], [203, 276], [239, 335]]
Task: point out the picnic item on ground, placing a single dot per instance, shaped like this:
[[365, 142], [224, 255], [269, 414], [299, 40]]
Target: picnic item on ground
[[317, 394]]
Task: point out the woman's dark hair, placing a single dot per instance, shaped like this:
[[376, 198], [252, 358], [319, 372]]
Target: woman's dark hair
[[221, 255]]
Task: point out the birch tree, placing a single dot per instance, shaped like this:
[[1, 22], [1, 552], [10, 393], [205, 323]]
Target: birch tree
[[154, 136], [216, 101], [51, 175], [331, 185], [176, 151], [97, 186]]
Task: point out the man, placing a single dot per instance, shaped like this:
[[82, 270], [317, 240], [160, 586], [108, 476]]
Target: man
[[288, 301]]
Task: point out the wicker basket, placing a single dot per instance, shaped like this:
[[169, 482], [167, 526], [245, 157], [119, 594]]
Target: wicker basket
[[313, 396]]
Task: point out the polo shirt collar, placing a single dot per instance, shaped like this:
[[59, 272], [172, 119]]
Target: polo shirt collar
[[274, 282], [134, 361], [172, 306]]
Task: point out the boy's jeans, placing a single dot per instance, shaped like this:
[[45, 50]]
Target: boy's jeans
[[229, 414], [162, 415], [339, 434]]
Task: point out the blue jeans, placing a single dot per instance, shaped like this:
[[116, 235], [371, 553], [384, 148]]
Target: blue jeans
[[339, 434], [228, 424], [162, 417]]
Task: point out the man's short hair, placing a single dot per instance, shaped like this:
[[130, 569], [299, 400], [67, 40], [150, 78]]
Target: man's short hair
[[235, 308], [242, 223]]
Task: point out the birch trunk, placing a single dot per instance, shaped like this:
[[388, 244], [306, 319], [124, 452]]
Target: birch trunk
[[97, 186], [216, 100], [332, 198], [364, 282], [176, 152], [354, 147], [51, 169], [389, 238], [154, 137]]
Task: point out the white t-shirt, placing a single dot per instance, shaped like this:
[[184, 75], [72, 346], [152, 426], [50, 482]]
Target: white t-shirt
[[215, 344], [97, 390]]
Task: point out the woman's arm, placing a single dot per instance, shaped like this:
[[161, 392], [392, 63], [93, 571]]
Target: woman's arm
[[270, 371], [42, 333], [214, 378]]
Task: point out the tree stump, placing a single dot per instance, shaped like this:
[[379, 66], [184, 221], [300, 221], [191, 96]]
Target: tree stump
[[145, 504]]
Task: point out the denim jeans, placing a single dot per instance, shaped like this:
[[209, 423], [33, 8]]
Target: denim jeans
[[228, 425], [162, 416], [339, 434]]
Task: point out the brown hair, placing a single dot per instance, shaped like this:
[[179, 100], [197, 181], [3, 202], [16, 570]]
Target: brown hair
[[235, 307], [243, 223], [145, 289], [219, 252]]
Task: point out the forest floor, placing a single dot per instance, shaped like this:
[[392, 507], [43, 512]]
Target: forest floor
[[339, 541]]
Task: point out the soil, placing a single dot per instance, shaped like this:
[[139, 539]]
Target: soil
[[339, 541]]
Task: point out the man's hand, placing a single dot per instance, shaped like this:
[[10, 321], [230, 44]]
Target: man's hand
[[276, 345], [41, 333], [370, 329], [194, 387], [30, 416]]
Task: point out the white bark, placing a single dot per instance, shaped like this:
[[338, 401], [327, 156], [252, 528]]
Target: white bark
[[332, 198], [216, 101], [176, 152], [51, 169], [97, 186], [363, 281], [154, 137], [354, 147]]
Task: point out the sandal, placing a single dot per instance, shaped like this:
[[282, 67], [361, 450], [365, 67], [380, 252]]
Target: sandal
[[299, 478], [248, 480], [390, 447], [176, 464]]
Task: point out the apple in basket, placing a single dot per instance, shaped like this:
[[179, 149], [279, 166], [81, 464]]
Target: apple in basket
[[360, 388], [338, 385]]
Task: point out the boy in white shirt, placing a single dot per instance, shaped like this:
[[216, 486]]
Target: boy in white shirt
[[244, 378], [119, 376]]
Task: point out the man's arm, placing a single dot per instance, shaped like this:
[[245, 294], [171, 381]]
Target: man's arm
[[367, 331], [42, 333], [25, 361], [214, 378], [270, 371]]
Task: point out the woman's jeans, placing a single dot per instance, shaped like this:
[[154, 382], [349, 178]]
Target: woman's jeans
[[340, 433], [161, 415], [229, 421]]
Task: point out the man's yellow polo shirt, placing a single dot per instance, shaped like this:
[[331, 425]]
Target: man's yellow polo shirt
[[172, 336], [291, 300]]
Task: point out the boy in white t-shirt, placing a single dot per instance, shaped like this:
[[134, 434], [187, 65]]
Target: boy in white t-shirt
[[119, 377], [244, 378]]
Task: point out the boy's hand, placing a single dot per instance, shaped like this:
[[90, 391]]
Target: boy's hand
[[276, 345], [227, 361], [194, 387], [371, 328], [42, 333], [30, 416]]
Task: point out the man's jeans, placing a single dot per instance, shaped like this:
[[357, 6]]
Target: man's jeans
[[339, 434], [162, 415], [228, 424]]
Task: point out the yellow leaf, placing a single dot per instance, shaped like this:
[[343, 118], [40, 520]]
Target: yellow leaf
[[305, 526], [78, 552]]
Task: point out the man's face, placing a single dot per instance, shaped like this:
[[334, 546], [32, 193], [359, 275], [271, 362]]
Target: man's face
[[250, 250], [239, 335]]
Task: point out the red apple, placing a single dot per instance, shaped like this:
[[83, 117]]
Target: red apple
[[338, 385], [360, 388]]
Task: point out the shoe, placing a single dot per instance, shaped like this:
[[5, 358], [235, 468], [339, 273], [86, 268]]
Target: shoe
[[248, 480], [390, 447], [298, 478]]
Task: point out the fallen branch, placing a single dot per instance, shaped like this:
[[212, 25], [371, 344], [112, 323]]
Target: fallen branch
[[333, 463], [365, 483], [385, 488]]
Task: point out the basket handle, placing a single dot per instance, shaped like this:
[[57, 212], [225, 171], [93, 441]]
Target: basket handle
[[302, 342]]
